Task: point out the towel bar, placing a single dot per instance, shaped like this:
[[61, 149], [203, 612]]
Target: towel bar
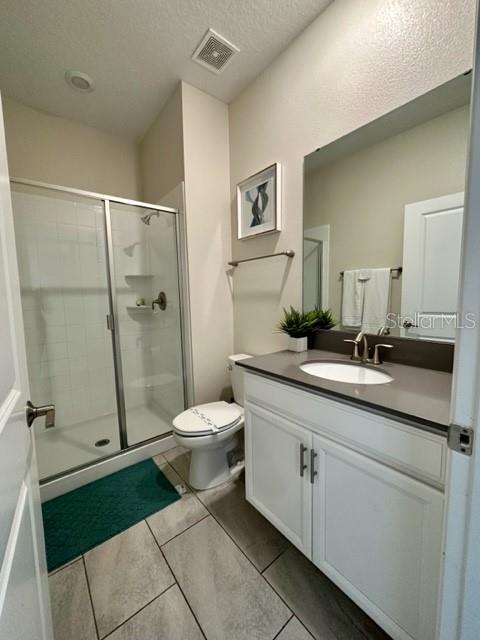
[[397, 269], [289, 253]]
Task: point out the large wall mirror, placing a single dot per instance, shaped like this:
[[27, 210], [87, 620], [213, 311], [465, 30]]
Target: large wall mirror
[[383, 213]]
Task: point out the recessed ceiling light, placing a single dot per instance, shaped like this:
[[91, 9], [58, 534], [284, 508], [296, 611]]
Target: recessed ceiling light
[[79, 81]]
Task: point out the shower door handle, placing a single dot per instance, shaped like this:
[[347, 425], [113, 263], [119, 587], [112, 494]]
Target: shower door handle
[[32, 413]]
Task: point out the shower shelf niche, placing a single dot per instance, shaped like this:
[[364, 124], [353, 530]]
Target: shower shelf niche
[[139, 275], [140, 307]]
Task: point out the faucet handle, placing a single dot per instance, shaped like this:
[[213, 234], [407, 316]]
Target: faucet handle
[[355, 355], [376, 354]]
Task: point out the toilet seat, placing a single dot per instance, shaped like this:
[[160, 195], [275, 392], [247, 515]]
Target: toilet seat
[[208, 419]]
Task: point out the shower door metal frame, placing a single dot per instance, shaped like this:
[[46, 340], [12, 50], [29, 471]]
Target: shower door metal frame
[[92, 194], [113, 311], [112, 325]]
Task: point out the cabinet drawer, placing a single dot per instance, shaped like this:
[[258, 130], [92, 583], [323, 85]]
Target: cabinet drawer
[[411, 450]]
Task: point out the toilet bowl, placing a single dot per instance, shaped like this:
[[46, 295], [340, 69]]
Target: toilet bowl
[[211, 431]]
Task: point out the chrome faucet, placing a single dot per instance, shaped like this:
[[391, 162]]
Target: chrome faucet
[[376, 354], [360, 337]]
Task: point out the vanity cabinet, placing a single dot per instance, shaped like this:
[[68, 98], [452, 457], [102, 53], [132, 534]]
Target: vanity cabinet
[[366, 510], [279, 488]]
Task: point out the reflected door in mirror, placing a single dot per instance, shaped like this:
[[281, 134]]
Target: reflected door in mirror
[[431, 267]]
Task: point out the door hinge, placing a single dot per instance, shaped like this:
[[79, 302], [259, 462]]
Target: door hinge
[[110, 324], [460, 439]]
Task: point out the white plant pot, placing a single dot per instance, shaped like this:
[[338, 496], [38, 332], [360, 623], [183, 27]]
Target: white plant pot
[[297, 344]]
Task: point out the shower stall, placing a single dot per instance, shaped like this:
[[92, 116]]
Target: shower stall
[[103, 313]]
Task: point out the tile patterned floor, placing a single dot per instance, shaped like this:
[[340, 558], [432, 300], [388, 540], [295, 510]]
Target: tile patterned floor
[[209, 566]]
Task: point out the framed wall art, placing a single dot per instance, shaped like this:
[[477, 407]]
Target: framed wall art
[[259, 203]]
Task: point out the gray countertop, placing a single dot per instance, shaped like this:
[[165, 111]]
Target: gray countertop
[[419, 396]]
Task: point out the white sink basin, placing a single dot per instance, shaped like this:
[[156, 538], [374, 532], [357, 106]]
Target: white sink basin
[[345, 372]]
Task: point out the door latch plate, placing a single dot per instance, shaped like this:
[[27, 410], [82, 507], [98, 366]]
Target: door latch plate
[[460, 439]]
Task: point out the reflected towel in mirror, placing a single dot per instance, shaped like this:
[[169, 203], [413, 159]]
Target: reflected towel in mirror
[[376, 298], [352, 302]]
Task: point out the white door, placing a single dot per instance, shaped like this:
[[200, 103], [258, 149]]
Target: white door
[[460, 611], [377, 534], [24, 602], [432, 245], [277, 475]]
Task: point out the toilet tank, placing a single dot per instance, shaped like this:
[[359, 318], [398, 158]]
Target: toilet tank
[[236, 376]]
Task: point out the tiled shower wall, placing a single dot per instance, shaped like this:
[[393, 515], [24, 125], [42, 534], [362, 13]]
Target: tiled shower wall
[[61, 254], [145, 264], [166, 354]]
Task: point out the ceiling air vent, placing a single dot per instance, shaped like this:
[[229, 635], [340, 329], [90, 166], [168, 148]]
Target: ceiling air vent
[[214, 52]]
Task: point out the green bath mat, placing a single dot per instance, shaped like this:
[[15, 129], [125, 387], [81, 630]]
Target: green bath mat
[[83, 518]]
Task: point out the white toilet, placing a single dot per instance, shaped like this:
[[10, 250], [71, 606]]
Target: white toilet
[[211, 432]]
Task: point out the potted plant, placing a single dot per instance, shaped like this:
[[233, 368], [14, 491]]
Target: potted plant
[[298, 325], [324, 317]]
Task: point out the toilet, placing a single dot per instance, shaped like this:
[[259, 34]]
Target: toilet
[[210, 431]]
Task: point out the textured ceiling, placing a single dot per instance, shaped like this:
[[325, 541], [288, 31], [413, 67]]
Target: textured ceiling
[[136, 51]]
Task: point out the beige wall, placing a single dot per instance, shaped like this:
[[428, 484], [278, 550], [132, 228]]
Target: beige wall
[[357, 61], [47, 148], [189, 142], [363, 195], [161, 151], [206, 153]]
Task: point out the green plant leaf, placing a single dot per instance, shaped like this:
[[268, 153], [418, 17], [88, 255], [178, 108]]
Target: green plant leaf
[[300, 324]]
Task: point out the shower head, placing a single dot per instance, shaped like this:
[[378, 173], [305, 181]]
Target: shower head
[[146, 218]]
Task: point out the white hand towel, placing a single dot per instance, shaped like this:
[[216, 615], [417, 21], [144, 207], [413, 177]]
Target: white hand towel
[[376, 299], [352, 300]]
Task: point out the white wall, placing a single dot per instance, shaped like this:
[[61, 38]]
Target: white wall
[[206, 153], [44, 147], [357, 61], [161, 151]]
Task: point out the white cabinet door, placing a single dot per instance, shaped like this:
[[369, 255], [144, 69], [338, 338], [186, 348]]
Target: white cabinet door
[[276, 483], [377, 535]]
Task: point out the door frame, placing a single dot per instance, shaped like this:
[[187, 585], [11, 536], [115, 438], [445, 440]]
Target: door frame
[[459, 614], [320, 234]]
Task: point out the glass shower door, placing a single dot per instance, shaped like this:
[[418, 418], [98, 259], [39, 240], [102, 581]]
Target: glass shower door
[[148, 322], [60, 240]]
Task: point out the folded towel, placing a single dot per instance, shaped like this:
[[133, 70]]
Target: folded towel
[[376, 299], [352, 301]]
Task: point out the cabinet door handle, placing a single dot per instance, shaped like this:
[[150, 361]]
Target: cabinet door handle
[[303, 466], [313, 473]]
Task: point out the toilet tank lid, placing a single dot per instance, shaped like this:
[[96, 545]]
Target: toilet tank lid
[[238, 356]]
